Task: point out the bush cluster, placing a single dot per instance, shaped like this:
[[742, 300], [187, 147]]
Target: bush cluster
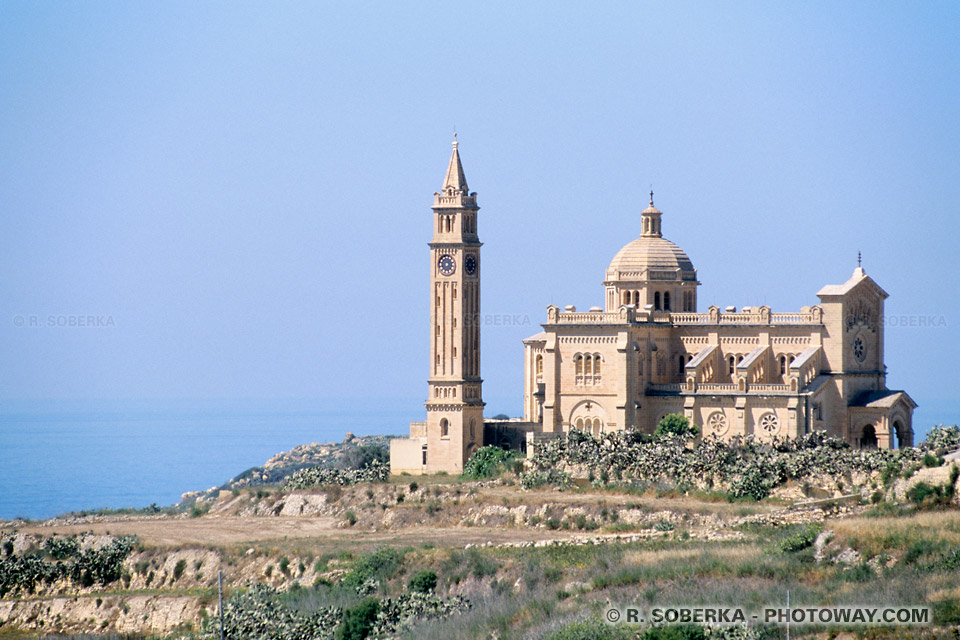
[[487, 462], [376, 471], [749, 467], [801, 538], [63, 559], [260, 613]]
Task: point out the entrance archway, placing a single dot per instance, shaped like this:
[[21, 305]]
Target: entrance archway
[[868, 439]]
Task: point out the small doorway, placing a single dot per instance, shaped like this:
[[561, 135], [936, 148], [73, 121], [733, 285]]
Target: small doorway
[[869, 438]]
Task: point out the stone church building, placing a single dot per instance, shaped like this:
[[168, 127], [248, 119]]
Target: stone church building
[[648, 352]]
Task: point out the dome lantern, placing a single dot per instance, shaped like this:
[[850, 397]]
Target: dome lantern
[[651, 270]]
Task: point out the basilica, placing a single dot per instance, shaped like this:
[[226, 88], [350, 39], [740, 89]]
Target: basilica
[[649, 351]]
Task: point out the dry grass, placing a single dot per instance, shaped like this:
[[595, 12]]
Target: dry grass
[[872, 536]]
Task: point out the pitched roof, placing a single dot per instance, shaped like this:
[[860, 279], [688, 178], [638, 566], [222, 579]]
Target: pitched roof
[[859, 275], [881, 399]]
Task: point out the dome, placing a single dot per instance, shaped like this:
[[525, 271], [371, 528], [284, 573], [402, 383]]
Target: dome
[[651, 253]]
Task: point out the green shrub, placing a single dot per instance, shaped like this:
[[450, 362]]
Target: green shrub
[[487, 462], [358, 621], [178, 569], [61, 548], [351, 517], [381, 564], [285, 565], [801, 538], [930, 460], [674, 632], [364, 456], [678, 425], [926, 495], [423, 581]]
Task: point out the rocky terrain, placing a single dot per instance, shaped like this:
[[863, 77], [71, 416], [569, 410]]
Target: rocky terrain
[[545, 554]]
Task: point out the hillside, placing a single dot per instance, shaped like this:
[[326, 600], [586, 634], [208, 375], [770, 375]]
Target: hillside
[[445, 557]]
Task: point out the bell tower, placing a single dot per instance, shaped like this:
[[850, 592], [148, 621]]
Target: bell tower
[[454, 426]]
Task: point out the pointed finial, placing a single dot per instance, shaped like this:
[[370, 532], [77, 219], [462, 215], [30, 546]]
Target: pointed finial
[[859, 260], [651, 196], [454, 137]]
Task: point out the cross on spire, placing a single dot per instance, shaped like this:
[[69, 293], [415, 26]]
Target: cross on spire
[[651, 196], [859, 260]]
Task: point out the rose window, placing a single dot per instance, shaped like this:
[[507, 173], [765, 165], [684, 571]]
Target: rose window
[[769, 424], [859, 348], [718, 423]]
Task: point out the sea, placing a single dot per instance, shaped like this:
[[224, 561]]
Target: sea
[[71, 455], [63, 456]]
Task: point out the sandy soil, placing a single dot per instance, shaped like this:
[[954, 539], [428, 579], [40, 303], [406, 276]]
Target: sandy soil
[[214, 530]]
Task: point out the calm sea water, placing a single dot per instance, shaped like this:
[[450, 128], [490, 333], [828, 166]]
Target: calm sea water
[[63, 456], [66, 456]]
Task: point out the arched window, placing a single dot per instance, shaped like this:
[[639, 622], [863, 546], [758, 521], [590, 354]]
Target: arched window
[[578, 363], [596, 364], [656, 300], [539, 365], [733, 365], [681, 365], [424, 453], [666, 301], [579, 424], [640, 365], [473, 424], [444, 428]]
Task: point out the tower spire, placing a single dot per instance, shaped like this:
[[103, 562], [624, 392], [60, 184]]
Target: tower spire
[[455, 179]]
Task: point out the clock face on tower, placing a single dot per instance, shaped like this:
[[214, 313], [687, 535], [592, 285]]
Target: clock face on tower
[[470, 265], [447, 265]]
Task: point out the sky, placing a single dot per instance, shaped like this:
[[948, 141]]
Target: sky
[[233, 199]]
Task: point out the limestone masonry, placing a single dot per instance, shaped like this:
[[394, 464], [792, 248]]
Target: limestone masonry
[[647, 353]]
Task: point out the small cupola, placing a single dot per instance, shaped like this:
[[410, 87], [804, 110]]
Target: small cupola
[[650, 221]]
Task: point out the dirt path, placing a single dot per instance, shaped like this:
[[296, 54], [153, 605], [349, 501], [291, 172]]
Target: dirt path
[[207, 530], [316, 531]]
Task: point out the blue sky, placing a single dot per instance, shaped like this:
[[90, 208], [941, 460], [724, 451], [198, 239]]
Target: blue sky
[[242, 190]]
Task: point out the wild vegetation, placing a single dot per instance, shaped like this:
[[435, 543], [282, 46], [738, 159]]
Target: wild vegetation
[[375, 471], [456, 558], [62, 558], [745, 467]]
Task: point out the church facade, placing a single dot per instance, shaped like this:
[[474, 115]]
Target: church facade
[[648, 352]]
